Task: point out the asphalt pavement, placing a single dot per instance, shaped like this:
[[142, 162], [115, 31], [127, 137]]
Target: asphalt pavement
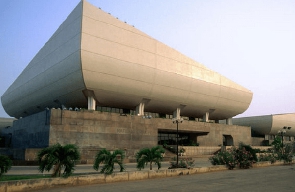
[[264, 179]]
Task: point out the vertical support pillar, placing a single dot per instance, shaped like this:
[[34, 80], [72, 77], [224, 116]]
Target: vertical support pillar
[[229, 121], [206, 117], [140, 109], [91, 103], [176, 114]]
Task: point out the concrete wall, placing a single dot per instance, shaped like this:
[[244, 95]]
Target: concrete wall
[[94, 130], [257, 141], [195, 151], [29, 132]]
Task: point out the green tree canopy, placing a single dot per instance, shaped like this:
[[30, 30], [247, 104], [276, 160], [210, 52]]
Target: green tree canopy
[[149, 155], [5, 164], [58, 157], [109, 159]]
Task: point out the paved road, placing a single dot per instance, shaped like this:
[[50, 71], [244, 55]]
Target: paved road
[[267, 179]]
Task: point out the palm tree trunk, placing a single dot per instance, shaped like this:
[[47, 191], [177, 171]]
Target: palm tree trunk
[[56, 170], [151, 165]]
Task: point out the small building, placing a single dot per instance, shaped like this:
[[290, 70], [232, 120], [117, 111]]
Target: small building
[[264, 128]]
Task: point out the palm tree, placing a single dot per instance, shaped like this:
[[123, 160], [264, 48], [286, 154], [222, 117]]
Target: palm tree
[[5, 164], [146, 155], [109, 159], [58, 157]]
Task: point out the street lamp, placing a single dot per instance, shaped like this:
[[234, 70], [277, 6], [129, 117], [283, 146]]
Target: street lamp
[[177, 120], [282, 132]]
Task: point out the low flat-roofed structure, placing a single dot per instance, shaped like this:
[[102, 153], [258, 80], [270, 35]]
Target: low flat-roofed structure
[[6, 122], [94, 59], [269, 124]]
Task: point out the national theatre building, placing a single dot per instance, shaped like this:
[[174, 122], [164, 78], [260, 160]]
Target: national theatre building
[[99, 82]]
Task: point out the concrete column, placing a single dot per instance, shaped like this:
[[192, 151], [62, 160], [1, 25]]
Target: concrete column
[[229, 121], [176, 114], [89, 94], [91, 103], [206, 117], [140, 109]]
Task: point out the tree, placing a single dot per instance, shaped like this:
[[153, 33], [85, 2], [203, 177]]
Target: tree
[[58, 157], [109, 159], [5, 164], [283, 151], [278, 147], [146, 155], [287, 156]]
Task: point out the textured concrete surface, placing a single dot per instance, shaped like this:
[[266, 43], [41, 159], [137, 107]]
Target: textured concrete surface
[[273, 178], [94, 130]]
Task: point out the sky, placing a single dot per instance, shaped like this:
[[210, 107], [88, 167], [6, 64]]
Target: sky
[[251, 42]]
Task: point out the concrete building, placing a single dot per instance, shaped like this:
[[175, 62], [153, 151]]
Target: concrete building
[[94, 59], [264, 128], [96, 63]]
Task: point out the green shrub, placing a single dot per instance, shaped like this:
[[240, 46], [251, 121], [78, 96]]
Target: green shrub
[[183, 163], [250, 150], [243, 156], [283, 151], [268, 157], [224, 158], [5, 164], [287, 155]]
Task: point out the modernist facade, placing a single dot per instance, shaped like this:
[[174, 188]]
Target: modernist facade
[[95, 61]]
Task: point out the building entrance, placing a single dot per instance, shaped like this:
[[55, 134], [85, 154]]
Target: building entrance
[[185, 139], [228, 140]]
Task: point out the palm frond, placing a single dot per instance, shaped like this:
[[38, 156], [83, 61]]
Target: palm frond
[[109, 159], [146, 155], [57, 157]]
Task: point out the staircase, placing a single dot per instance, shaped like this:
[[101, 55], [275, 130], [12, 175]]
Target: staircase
[[168, 155]]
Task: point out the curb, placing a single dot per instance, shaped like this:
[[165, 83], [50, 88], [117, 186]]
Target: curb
[[35, 184]]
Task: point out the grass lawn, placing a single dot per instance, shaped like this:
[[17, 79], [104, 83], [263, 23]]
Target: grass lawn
[[22, 177]]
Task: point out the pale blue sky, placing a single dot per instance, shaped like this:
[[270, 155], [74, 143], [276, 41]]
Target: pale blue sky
[[251, 42]]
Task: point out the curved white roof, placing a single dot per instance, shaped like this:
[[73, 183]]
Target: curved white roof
[[121, 66], [269, 124]]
